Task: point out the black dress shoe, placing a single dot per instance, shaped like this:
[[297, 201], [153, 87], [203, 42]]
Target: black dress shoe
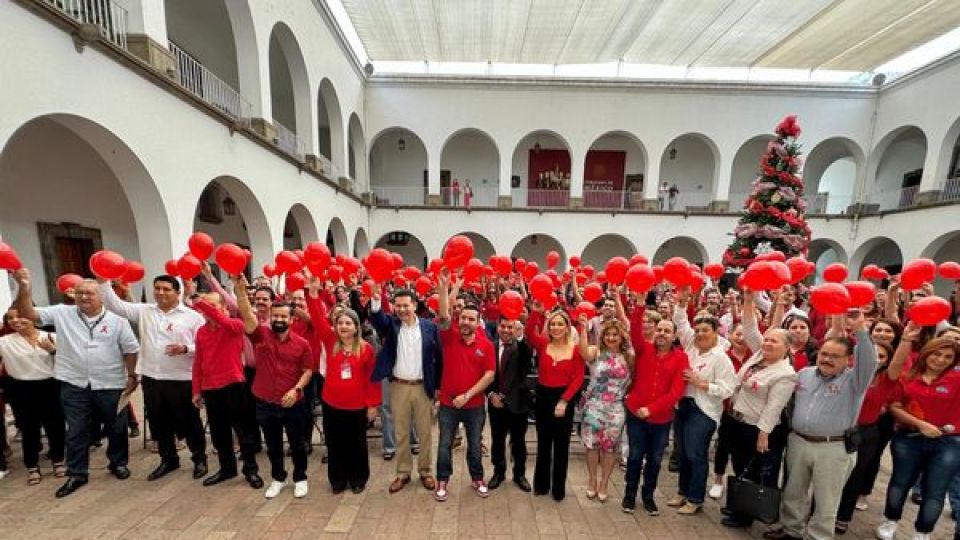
[[735, 522], [522, 483], [726, 511], [199, 469], [338, 488], [120, 471], [358, 488], [780, 534], [72, 484], [218, 477], [162, 470], [495, 481], [254, 480]]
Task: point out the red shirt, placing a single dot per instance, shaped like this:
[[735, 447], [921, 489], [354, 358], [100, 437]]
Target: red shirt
[[219, 348], [657, 383], [280, 364], [491, 311], [800, 359], [308, 331], [875, 401], [636, 326], [562, 373], [463, 366], [937, 403], [348, 383]]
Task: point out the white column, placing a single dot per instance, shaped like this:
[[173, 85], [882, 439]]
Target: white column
[[147, 17], [934, 168], [577, 164], [722, 179], [433, 174], [651, 182]]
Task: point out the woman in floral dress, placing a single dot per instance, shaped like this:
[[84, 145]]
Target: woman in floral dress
[[611, 365]]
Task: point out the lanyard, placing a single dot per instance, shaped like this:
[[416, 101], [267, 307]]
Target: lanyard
[[90, 327]]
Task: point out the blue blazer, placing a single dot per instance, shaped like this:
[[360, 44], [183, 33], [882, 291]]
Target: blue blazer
[[388, 327]]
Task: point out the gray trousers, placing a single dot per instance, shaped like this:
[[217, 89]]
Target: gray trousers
[[824, 467]]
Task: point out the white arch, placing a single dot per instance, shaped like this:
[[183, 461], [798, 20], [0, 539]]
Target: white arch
[[413, 252], [361, 246], [306, 225], [331, 102], [681, 246], [357, 158], [866, 253], [879, 149], [398, 161], [534, 248], [338, 233], [705, 195], [303, 103], [482, 247], [599, 250]]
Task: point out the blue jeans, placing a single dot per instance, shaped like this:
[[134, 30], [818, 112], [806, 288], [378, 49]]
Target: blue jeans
[[936, 461], [386, 419], [694, 431], [953, 493], [449, 419], [647, 443], [79, 405]]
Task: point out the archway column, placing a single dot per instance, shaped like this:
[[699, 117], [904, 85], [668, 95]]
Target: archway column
[[147, 34], [433, 177], [504, 187], [934, 172], [651, 183], [722, 179], [577, 164]]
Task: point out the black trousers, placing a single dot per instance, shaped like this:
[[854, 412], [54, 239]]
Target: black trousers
[[761, 468], [503, 423], [871, 444], [274, 420], [170, 412], [346, 435], [722, 454], [553, 443], [36, 405], [251, 404], [228, 412]]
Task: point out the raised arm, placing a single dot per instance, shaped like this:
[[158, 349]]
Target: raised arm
[[751, 327], [910, 335], [587, 352], [890, 304], [865, 354], [443, 294], [684, 330], [24, 300], [229, 299], [128, 310], [244, 308]]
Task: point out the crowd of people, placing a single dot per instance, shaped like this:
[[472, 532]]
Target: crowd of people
[[795, 400]]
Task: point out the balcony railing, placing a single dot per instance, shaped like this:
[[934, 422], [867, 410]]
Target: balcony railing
[[399, 196], [107, 15], [201, 82], [288, 141], [894, 199], [541, 198], [327, 167], [951, 190], [482, 197]]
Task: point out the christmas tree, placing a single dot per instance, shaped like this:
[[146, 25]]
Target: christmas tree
[[773, 214]]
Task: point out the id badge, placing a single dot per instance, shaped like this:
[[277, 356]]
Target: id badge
[[346, 371]]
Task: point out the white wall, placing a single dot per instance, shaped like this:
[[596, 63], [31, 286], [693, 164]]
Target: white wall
[[203, 30], [601, 250], [635, 162], [472, 156], [838, 182], [904, 155], [746, 167], [692, 170], [390, 166]]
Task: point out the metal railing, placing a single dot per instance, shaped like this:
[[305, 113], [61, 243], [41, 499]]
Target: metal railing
[[894, 199], [951, 190], [203, 83], [107, 15], [288, 141], [601, 198], [688, 201], [399, 196], [541, 198], [482, 197]]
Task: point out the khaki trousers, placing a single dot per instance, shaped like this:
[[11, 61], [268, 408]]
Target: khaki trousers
[[824, 467], [410, 403]]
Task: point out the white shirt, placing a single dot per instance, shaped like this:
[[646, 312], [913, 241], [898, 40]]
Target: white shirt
[[157, 330], [713, 366], [90, 349], [409, 364], [23, 360]]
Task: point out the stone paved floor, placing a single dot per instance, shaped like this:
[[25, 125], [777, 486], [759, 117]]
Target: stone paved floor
[[178, 507]]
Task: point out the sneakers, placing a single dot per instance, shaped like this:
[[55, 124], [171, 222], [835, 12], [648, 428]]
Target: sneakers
[[677, 501], [441, 493], [628, 505], [650, 507], [862, 504], [887, 530], [688, 509], [920, 536], [274, 489], [481, 488], [716, 491], [3, 474], [300, 489]]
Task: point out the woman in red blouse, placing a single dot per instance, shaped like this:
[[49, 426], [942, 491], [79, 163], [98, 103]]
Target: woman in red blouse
[[350, 401], [927, 442], [560, 375]]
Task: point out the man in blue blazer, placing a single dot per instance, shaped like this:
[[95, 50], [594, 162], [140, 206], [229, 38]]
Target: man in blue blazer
[[411, 359]]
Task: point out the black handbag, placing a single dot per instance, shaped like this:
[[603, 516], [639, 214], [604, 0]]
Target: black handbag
[[753, 499]]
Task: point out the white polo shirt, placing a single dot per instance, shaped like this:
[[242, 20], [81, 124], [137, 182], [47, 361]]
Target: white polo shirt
[[23, 360], [90, 349]]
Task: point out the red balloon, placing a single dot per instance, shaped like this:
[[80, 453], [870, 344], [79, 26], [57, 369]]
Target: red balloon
[[317, 256], [457, 252], [775, 255], [511, 304], [799, 269], [593, 292], [366, 288], [929, 311], [861, 292], [601, 277], [554, 278], [397, 261], [295, 281], [189, 266], [503, 266], [434, 303], [830, 298], [435, 266], [399, 280], [553, 259], [658, 272], [133, 272], [696, 281], [9, 259], [950, 270], [109, 265], [231, 258], [270, 270], [551, 301], [575, 261], [588, 271], [334, 273], [530, 270], [639, 259], [287, 262], [351, 265], [520, 264], [541, 287], [714, 271], [874, 272], [585, 308], [766, 275], [68, 281], [379, 264], [581, 278], [423, 285], [411, 273], [473, 271], [616, 270], [835, 273], [201, 245], [640, 278], [677, 271], [170, 267], [916, 273]]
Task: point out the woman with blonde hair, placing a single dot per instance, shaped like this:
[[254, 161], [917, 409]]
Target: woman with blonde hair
[[601, 428], [560, 375]]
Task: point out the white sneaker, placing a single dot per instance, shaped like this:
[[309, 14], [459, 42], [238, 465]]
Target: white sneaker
[[300, 489], [921, 536], [716, 491], [3, 474], [274, 489], [887, 530]]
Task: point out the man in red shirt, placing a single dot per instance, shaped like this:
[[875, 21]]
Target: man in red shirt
[[468, 369], [657, 387], [218, 384], [284, 367]]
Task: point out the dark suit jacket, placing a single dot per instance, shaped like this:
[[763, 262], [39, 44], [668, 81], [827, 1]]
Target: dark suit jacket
[[510, 377], [388, 328]]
